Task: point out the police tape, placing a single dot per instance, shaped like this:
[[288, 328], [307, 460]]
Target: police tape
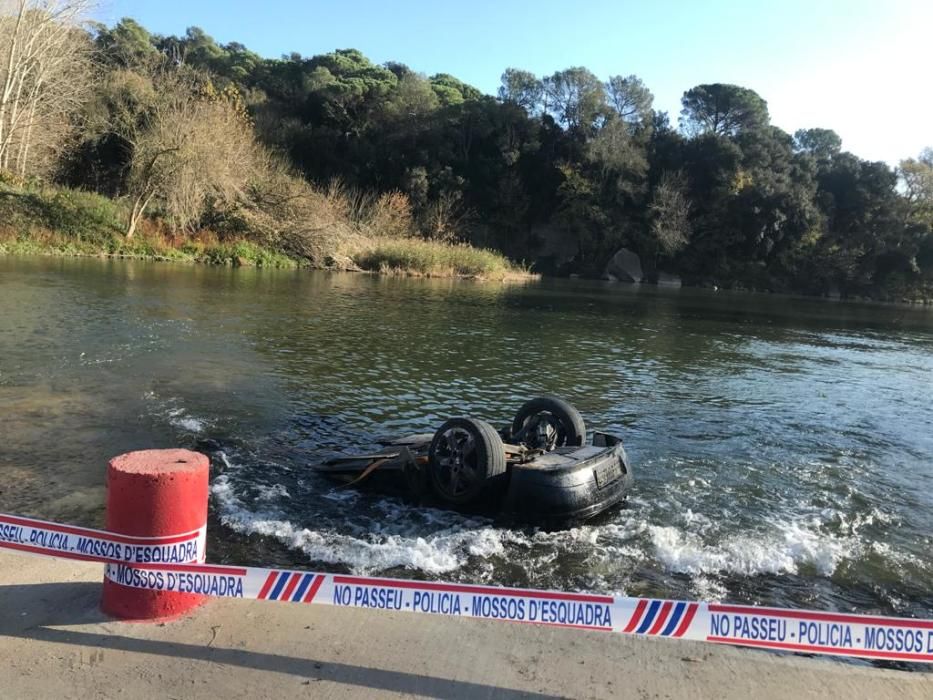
[[41, 537], [841, 634]]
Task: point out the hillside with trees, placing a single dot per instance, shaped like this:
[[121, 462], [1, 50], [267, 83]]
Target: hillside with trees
[[559, 171]]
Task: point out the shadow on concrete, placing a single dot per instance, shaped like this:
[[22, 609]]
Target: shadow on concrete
[[29, 605], [76, 603]]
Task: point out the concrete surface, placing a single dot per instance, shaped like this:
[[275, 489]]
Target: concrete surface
[[54, 643]]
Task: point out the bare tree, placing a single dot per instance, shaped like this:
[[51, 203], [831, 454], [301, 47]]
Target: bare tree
[[191, 147], [445, 218], [44, 76], [670, 213]]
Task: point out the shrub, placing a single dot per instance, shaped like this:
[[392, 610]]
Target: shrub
[[434, 259], [390, 216], [83, 215]]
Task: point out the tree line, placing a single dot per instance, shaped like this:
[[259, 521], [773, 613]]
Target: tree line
[[559, 170]]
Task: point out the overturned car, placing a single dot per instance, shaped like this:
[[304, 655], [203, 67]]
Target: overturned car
[[536, 469]]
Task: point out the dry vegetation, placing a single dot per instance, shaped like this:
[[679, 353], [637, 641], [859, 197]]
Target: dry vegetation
[[45, 77], [191, 179]]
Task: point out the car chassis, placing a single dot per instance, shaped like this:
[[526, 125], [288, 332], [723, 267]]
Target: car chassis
[[536, 470]]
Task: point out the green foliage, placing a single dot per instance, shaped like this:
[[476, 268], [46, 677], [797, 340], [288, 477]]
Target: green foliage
[[573, 159], [576, 98], [83, 216], [521, 88], [822, 144], [917, 176], [722, 109], [630, 98], [451, 91], [237, 253], [414, 97], [43, 220], [347, 89], [126, 45]]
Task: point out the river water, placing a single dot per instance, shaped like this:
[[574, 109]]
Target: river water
[[783, 448]]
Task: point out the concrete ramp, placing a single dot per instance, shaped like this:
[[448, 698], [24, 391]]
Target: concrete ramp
[[55, 643]]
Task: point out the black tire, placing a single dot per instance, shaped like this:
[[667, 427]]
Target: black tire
[[562, 422], [465, 454]]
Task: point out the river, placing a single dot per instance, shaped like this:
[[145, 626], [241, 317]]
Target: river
[[783, 448]]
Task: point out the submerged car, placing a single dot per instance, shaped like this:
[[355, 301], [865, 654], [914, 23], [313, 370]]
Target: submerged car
[[536, 469]]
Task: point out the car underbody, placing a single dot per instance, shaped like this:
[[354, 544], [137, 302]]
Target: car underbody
[[538, 469]]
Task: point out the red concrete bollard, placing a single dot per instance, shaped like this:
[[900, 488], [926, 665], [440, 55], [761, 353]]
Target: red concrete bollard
[[154, 493]]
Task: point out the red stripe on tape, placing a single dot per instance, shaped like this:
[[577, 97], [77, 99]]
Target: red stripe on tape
[[662, 618], [270, 579], [822, 617], [98, 534], [688, 618], [868, 653], [195, 568], [290, 586], [488, 590], [315, 585], [636, 616], [51, 553], [548, 624]]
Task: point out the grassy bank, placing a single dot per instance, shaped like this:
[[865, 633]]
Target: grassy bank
[[37, 220], [411, 256], [236, 253], [47, 220]]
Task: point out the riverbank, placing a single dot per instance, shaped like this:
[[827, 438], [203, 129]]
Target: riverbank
[[57, 644], [61, 222], [399, 258]]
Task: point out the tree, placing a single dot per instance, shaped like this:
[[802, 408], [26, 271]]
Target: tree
[[670, 213], [722, 109], [917, 178], [522, 88], [347, 89], [199, 49], [822, 144], [189, 146], [412, 97], [584, 220], [576, 99], [400, 70], [615, 149], [173, 125], [450, 90], [630, 99], [44, 76], [126, 45]]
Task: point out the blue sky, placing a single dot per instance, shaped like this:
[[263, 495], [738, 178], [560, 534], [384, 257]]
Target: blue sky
[[863, 68]]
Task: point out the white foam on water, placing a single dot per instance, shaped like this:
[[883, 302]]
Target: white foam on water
[[708, 588], [177, 416], [671, 532], [441, 552], [900, 558], [780, 549], [342, 495], [270, 493]]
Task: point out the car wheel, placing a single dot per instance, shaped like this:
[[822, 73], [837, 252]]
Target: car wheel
[[464, 455], [548, 422]]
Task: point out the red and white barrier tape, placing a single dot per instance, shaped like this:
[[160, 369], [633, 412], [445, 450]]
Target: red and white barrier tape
[[71, 542], [153, 563]]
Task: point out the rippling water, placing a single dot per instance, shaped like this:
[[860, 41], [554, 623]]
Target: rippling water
[[783, 448]]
